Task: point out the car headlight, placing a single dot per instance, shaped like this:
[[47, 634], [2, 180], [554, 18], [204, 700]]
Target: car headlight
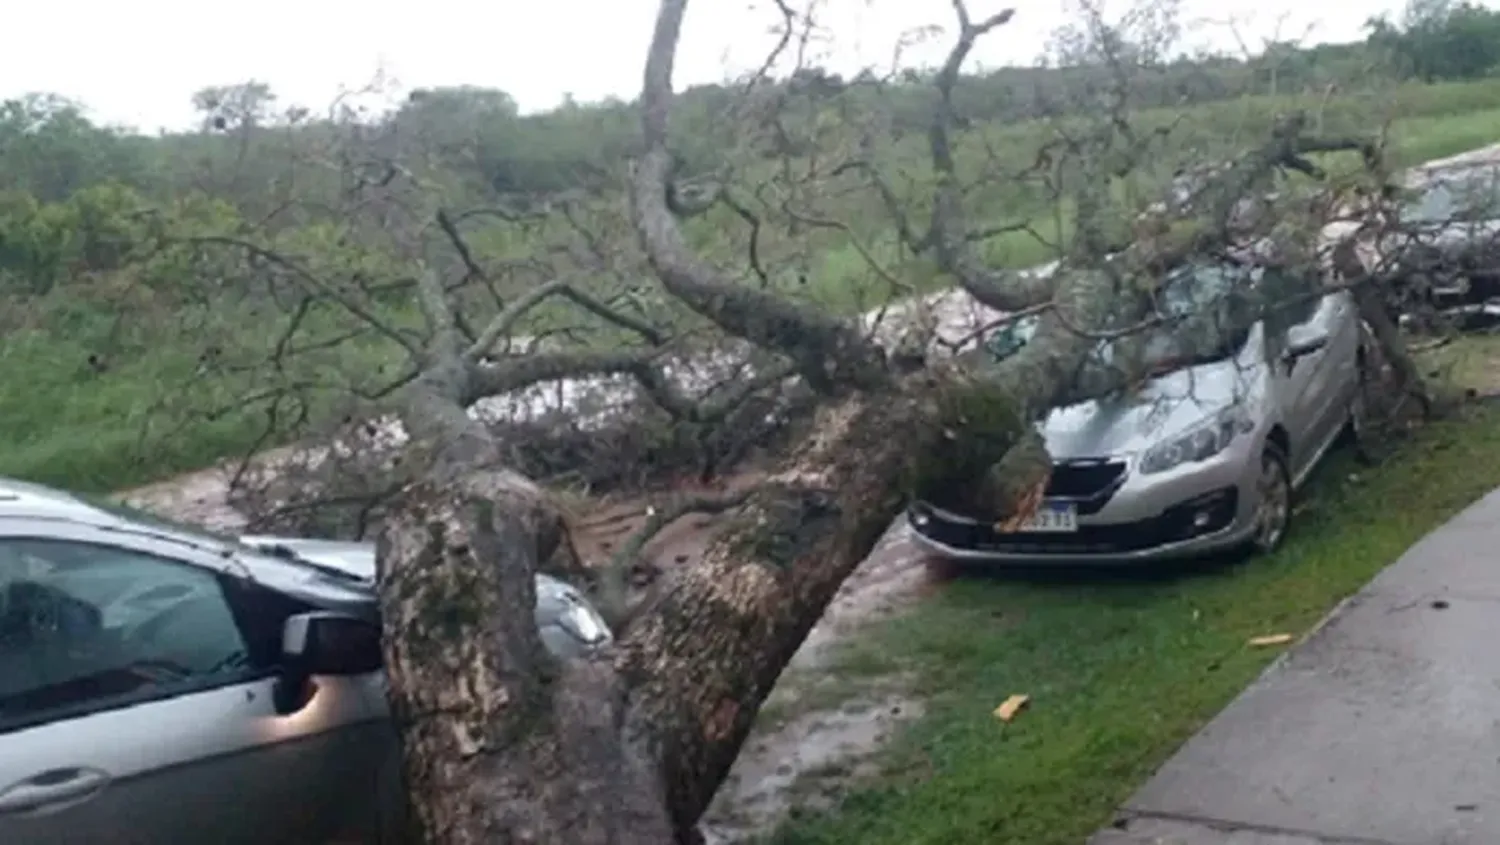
[[1198, 443]]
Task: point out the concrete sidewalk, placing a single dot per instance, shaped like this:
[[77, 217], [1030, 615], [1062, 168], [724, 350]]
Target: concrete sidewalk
[[1381, 728]]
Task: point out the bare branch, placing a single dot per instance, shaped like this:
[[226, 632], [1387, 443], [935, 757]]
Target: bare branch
[[506, 320], [317, 285], [829, 352], [661, 390], [998, 289], [893, 207], [512, 374], [461, 246], [613, 577], [438, 311]]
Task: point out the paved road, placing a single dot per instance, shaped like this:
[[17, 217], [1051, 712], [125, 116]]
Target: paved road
[[1382, 728]]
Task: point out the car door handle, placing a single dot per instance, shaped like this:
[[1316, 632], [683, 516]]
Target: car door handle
[[53, 789]]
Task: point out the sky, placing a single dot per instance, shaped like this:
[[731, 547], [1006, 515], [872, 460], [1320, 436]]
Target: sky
[[138, 63]]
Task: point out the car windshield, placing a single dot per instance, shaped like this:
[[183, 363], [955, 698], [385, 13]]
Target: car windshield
[[151, 520], [1205, 316], [1470, 198]]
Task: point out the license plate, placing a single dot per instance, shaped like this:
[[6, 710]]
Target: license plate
[[1052, 518]]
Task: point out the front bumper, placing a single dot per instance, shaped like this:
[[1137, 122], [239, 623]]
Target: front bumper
[[1188, 512]]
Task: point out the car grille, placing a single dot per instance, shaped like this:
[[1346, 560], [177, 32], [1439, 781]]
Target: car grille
[[1087, 482], [1174, 524]]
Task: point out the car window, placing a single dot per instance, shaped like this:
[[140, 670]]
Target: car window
[[86, 627], [1205, 311], [1290, 301], [1464, 199]]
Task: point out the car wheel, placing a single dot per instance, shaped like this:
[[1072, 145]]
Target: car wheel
[[1273, 501]]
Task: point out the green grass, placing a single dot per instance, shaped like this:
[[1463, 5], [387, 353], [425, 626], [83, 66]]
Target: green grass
[[139, 419], [1120, 672]]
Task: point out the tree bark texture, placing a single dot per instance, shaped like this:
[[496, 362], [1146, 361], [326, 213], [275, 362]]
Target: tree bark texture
[[501, 745]]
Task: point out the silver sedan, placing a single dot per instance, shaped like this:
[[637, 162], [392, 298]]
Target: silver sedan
[[1205, 456]]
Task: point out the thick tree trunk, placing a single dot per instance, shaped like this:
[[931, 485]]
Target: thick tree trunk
[[501, 745], [704, 660], [505, 746]]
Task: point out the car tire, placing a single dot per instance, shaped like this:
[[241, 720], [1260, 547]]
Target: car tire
[[1273, 502]]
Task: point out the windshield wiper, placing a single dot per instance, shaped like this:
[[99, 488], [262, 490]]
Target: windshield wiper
[[284, 552]]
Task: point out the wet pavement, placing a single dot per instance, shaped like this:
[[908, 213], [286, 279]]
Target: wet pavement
[[1381, 728]]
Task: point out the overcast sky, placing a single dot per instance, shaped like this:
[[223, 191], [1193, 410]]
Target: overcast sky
[[138, 62]]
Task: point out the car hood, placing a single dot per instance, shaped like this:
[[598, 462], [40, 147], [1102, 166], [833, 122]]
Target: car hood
[[554, 598], [1165, 406]]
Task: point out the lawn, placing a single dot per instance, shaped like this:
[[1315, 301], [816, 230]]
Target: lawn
[[1120, 670]]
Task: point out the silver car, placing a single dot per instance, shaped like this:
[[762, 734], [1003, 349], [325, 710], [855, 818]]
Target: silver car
[[1451, 231], [159, 684], [1204, 456], [1446, 243]]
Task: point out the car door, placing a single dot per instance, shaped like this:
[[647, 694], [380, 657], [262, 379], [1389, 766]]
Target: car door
[[1316, 397], [136, 703]]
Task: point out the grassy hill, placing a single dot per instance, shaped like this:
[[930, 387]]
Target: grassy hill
[[97, 372]]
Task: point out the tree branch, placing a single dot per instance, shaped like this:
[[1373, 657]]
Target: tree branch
[[613, 577], [316, 284], [438, 311], [512, 374], [997, 289], [461, 246], [829, 352], [669, 398], [505, 321]]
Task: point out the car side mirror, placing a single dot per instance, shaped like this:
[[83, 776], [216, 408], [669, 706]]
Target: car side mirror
[[323, 643], [1307, 346], [1302, 347]]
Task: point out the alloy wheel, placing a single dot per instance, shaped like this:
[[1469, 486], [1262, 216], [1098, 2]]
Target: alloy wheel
[[1273, 507]]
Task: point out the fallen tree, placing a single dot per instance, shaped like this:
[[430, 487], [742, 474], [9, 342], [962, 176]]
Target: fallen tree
[[629, 746], [503, 743]]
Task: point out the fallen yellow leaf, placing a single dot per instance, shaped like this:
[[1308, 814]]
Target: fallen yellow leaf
[[1010, 707], [1271, 639]]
